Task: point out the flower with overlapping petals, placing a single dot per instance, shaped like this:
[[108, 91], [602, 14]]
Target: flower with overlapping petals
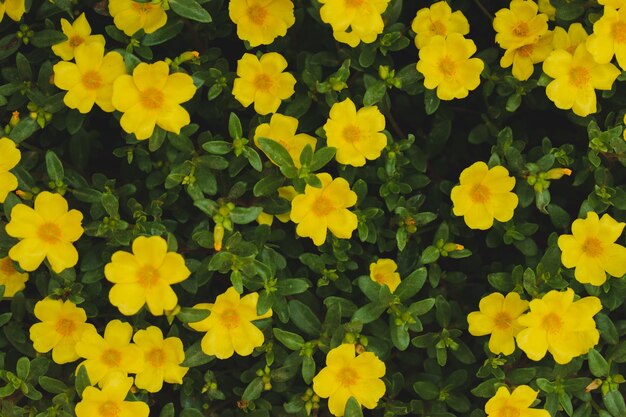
[[438, 20], [261, 21], [129, 16], [145, 276], [62, 326], [321, 209], [111, 355], [13, 8], [152, 97], [10, 158], [357, 135], [263, 82], [90, 79], [78, 33], [161, 359], [282, 129], [516, 403], [447, 65], [384, 272], [498, 317], [349, 375], [559, 325], [229, 327], [524, 58], [570, 39], [110, 401], [354, 21], [608, 38], [484, 194], [12, 280], [47, 231], [520, 24], [591, 249]]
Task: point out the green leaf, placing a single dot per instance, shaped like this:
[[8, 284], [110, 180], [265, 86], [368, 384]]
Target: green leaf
[[276, 152], [369, 312], [614, 403], [82, 380], [291, 286], [217, 147], [411, 285], [51, 385], [244, 215], [46, 38], [303, 318], [234, 127], [430, 255], [8, 45], [267, 185], [156, 140], [167, 410], [191, 412], [426, 390], [308, 369], [22, 368], [292, 341], [253, 390], [164, 34], [191, 10], [431, 101], [54, 167], [321, 157], [374, 93], [598, 366], [353, 408], [192, 315], [24, 129], [194, 356]]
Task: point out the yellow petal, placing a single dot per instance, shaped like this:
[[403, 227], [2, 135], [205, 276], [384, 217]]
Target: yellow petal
[[62, 255], [128, 298]]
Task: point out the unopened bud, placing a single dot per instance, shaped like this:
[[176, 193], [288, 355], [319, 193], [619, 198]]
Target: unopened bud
[[218, 236], [15, 118], [451, 247], [593, 385], [557, 173]]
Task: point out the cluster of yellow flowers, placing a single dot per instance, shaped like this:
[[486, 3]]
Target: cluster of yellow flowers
[[577, 62], [444, 53]]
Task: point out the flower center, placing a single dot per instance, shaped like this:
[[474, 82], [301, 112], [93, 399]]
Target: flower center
[[156, 357], [263, 82], [6, 267], [230, 318], [49, 232], [142, 8], [438, 28], [619, 32], [76, 40], [257, 14], [593, 247], [109, 409], [354, 3], [521, 29], [380, 278], [92, 80], [552, 323], [509, 412], [65, 327], [480, 194], [322, 206], [526, 50], [148, 277], [447, 67], [152, 98], [111, 357], [351, 133], [503, 321], [347, 376], [579, 76]]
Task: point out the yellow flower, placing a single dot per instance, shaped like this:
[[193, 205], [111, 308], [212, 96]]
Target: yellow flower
[[78, 33], [229, 327], [144, 276], [524, 57], [130, 16], [321, 209], [516, 403], [616, 4], [162, 359], [559, 325], [575, 35], [363, 18], [357, 135], [10, 158], [265, 219], [152, 96], [576, 77], [282, 129], [109, 401], [609, 37], [498, 317], [288, 193], [111, 355], [13, 8], [438, 20], [263, 82], [261, 21], [447, 66], [592, 250], [47, 231], [519, 25], [484, 194], [348, 375], [62, 325], [384, 272], [546, 7], [90, 79], [12, 280]]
